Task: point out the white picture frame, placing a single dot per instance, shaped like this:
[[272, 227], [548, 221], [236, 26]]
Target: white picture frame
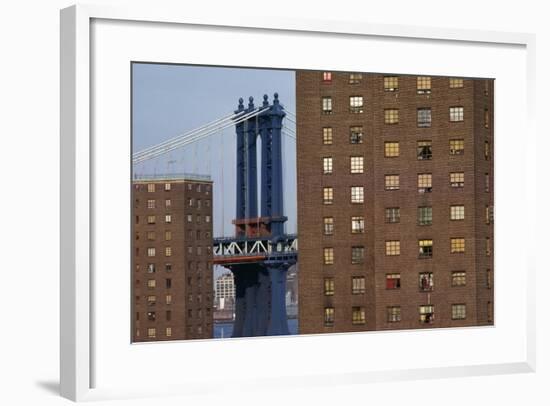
[[78, 352]]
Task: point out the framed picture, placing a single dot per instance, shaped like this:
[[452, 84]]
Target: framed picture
[[190, 173]]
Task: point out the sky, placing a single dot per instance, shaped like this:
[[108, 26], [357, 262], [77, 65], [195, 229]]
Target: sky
[[169, 100]]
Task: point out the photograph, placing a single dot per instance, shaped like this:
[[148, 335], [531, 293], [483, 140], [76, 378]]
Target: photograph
[[273, 202]]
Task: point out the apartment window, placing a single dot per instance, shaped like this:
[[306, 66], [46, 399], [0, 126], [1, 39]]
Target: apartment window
[[357, 225], [167, 187], [357, 255], [393, 281], [391, 182], [424, 117], [457, 212], [423, 85], [328, 223], [458, 245], [151, 203], [486, 118], [458, 311], [487, 246], [327, 77], [167, 235], [487, 151], [356, 164], [456, 113], [357, 194], [151, 219], [189, 218], [328, 256], [168, 267], [426, 281], [151, 316], [358, 285], [456, 179], [393, 314], [488, 214], [168, 203], [393, 247], [327, 165], [356, 104], [151, 268], [168, 331], [426, 313], [423, 150], [151, 332], [391, 83], [425, 216], [392, 215], [456, 83], [199, 187], [198, 218], [456, 147], [327, 135], [488, 279], [424, 182], [207, 219], [168, 299], [329, 286], [458, 278], [168, 218], [190, 202], [391, 149], [355, 78], [329, 316], [168, 283], [168, 251], [425, 248], [151, 187], [150, 235], [327, 105], [356, 135], [391, 116], [358, 315], [151, 300], [489, 312], [487, 182], [189, 186], [199, 203], [328, 195], [151, 283], [151, 252]]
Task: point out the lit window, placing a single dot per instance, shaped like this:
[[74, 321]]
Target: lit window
[[168, 299], [424, 117], [329, 316], [327, 77], [329, 286], [392, 215], [458, 245], [207, 219], [488, 214], [168, 218], [393, 281], [167, 187], [391, 149], [356, 104], [150, 187], [458, 311], [487, 151], [357, 194], [151, 268], [456, 113], [328, 225], [327, 105], [424, 150], [189, 218], [391, 182], [355, 78], [168, 251], [458, 278], [357, 255], [151, 235], [391, 116], [425, 216], [423, 85], [190, 202], [357, 285], [391, 83], [327, 135], [327, 165], [487, 246], [394, 314], [425, 248], [151, 203], [151, 283], [167, 235], [168, 203], [358, 315], [457, 179], [356, 135], [457, 212], [486, 118], [151, 300], [456, 147], [328, 195], [456, 83], [426, 281], [151, 332], [328, 256], [426, 313], [424, 182], [151, 219], [357, 224], [393, 247], [168, 331], [151, 252], [356, 164]]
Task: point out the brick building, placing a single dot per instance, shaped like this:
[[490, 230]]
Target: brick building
[[172, 258], [395, 186]]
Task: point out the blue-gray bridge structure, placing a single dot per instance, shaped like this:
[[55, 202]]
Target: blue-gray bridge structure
[[260, 253]]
